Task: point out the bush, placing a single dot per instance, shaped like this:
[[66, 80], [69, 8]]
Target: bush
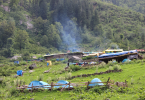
[[53, 60], [26, 56], [110, 68], [116, 67], [40, 78], [102, 65], [75, 68], [65, 61], [68, 75], [13, 90], [23, 63], [56, 63]]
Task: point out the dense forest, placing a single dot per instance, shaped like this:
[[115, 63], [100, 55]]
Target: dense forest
[[50, 26], [136, 5]]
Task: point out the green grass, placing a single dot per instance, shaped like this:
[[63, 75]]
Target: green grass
[[133, 72]]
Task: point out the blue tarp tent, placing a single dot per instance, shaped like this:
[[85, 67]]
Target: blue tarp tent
[[16, 62], [20, 72], [60, 59], [39, 83], [126, 60], [62, 82], [96, 84]]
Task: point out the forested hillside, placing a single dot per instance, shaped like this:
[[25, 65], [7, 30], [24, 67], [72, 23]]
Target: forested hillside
[[42, 26], [136, 5]]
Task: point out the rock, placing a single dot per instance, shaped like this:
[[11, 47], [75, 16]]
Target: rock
[[32, 66], [31, 71], [47, 71], [15, 76]]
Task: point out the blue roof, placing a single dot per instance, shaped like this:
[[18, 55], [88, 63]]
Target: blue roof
[[96, 84], [62, 82], [39, 83], [117, 54]]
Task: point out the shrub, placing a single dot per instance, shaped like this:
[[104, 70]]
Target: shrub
[[68, 75], [53, 60], [13, 90], [56, 63], [75, 68], [110, 68], [97, 89], [49, 80], [65, 61], [23, 63], [26, 56], [102, 65], [116, 67], [40, 78], [61, 78]]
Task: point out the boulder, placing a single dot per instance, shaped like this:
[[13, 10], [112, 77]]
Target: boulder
[[32, 66], [15, 76]]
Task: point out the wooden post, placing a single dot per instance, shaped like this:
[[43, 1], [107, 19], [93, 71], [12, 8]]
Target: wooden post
[[88, 85], [51, 85], [108, 82], [32, 88], [125, 83]]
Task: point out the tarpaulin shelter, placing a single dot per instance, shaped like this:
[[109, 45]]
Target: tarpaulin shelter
[[117, 54], [119, 57], [60, 59], [62, 82], [95, 84], [38, 83], [126, 60], [16, 62], [74, 58], [20, 72]]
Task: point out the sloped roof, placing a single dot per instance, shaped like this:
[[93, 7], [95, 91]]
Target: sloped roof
[[74, 58]]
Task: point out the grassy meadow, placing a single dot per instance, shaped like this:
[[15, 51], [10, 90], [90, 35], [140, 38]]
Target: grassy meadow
[[133, 73]]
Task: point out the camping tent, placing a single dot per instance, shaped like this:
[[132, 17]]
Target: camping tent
[[62, 82], [39, 83], [95, 84], [74, 58], [20, 72]]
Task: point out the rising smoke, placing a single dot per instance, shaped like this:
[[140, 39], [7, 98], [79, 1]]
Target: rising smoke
[[69, 34]]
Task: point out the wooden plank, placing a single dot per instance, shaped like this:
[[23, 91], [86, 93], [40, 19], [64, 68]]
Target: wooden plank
[[108, 82], [88, 85], [63, 87]]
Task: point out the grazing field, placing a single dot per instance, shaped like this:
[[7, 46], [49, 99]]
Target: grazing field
[[133, 73]]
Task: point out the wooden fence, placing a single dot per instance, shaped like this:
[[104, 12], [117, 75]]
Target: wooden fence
[[51, 86]]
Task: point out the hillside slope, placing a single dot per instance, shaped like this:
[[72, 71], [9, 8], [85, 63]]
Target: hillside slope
[[57, 25], [136, 5]]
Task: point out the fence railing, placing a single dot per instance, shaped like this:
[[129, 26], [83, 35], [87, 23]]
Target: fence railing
[[51, 86]]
